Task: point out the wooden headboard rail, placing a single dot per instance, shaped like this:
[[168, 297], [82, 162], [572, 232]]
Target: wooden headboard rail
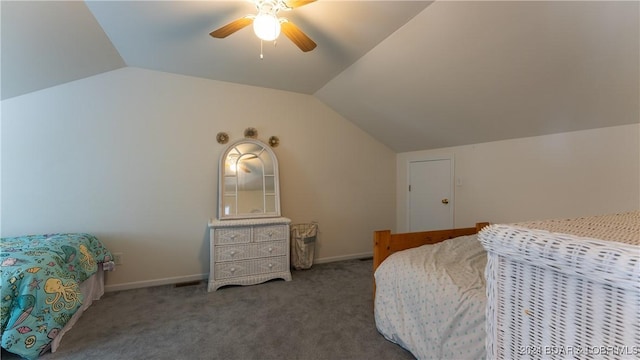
[[385, 243]]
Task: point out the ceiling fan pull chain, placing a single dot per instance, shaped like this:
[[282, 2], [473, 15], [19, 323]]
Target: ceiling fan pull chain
[[261, 55]]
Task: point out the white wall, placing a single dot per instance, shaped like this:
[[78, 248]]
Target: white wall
[[131, 156], [562, 175]]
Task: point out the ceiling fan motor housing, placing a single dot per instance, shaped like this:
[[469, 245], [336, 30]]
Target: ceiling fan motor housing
[[271, 5]]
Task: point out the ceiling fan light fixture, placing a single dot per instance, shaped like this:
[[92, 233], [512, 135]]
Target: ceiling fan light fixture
[[266, 26]]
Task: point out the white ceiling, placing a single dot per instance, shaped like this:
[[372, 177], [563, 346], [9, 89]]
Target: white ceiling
[[414, 74]]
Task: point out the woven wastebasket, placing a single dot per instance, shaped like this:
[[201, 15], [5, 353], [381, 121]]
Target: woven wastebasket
[[303, 242]]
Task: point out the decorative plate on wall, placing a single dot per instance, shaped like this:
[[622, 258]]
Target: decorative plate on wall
[[222, 137], [251, 133]]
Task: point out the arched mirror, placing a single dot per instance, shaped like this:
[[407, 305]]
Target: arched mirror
[[248, 181]]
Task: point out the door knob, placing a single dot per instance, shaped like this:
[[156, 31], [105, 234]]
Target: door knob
[[445, 201]]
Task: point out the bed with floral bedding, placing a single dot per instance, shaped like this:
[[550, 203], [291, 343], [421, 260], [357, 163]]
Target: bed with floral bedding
[[431, 299], [429, 292], [41, 286]]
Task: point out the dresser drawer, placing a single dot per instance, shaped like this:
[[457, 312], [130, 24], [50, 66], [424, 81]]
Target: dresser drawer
[[250, 251], [232, 235], [231, 269], [271, 232]]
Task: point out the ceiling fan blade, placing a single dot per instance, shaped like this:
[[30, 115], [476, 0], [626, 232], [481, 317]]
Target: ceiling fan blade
[[297, 3], [245, 168], [232, 27], [297, 36]]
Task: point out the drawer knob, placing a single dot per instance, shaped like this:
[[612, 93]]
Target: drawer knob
[[232, 270], [270, 249], [270, 266], [233, 252], [233, 236]]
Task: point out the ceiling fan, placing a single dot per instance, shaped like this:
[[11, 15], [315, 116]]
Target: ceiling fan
[[267, 25]]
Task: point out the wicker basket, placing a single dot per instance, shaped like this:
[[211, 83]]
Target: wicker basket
[[564, 288], [303, 241]]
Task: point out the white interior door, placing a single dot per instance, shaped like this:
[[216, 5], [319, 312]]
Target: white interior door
[[430, 194]]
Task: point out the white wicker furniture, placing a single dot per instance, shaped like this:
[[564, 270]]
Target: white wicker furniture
[[248, 251], [564, 288]]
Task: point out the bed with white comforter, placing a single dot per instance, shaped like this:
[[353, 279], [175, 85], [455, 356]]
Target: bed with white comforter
[[431, 300]]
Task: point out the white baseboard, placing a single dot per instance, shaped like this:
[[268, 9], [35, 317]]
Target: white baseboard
[[343, 257], [155, 282], [199, 277]]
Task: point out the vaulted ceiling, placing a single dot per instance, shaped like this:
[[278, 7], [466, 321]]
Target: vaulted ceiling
[[414, 74]]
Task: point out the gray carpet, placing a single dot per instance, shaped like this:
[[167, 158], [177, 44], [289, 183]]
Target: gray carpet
[[326, 312]]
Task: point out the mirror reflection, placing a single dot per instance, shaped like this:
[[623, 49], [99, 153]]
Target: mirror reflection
[[248, 181]]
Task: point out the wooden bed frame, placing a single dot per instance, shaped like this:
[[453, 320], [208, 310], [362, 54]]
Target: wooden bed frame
[[385, 243]]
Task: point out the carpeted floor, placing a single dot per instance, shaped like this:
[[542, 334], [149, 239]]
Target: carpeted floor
[[325, 312]]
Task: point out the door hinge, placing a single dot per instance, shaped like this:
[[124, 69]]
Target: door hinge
[[409, 187]]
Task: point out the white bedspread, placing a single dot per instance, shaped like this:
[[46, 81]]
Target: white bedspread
[[431, 300]]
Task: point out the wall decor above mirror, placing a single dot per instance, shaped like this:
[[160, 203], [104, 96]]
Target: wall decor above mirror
[[250, 133], [222, 138], [248, 184]]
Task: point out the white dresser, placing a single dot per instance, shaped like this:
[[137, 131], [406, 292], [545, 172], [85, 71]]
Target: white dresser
[[248, 251]]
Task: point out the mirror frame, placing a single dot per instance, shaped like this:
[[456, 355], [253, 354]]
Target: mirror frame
[[221, 182]]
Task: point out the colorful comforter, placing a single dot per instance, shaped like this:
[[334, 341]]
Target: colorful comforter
[[40, 286]]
